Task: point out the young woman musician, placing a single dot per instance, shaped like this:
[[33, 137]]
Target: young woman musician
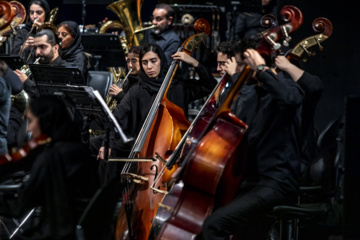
[[61, 177], [39, 11], [134, 107], [71, 49]]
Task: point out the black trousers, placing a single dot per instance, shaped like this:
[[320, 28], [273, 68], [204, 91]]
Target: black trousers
[[244, 215]]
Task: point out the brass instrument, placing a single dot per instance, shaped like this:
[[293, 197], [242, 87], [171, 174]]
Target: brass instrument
[[20, 15], [110, 100], [47, 25], [21, 100]]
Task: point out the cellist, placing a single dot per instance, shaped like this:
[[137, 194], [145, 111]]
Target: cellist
[[273, 152], [134, 107]]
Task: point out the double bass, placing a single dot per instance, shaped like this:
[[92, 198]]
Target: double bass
[[161, 132], [212, 169]]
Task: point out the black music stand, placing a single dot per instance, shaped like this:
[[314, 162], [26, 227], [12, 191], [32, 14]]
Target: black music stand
[[13, 61], [52, 80], [106, 50], [91, 106]]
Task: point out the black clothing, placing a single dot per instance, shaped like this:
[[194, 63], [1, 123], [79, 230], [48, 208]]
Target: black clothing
[[5, 104], [61, 176], [15, 122], [313, 88], [14, 81], [273, 157], [132, 80], [20, 39], [169, 42], [74, 54]]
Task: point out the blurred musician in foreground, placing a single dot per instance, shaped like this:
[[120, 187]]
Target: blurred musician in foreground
[[273, 154], [61, 177], [134, 107], [71, 49], [46, 45], [163, 34], [5, 105], [133, 63], [39, 11]]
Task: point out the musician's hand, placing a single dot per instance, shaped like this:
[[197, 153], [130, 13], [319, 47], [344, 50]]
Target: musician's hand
[[29, 42], [283, 63], [231, 66], [38, 23], [114, 90], [21, 75], [253, 58], [101, 155], [182, 56]]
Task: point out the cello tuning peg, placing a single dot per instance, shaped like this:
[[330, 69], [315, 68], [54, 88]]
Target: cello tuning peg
[[318, 43], [287, 37], [275, 45]]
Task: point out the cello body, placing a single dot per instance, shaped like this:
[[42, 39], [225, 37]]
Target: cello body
[[163, 129]]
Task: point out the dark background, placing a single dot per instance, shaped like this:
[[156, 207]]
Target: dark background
[[337, 65]]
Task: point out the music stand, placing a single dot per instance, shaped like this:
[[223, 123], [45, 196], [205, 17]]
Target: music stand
[[106, 49], [91, 105], [14, 61], [52, 80]]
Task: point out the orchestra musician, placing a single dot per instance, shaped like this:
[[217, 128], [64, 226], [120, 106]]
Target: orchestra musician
[[163, 34], [134, 107], [62, 177], [71, 49], [273, 152], [39, 10], [132, 62], [46, 44], [5, 105]]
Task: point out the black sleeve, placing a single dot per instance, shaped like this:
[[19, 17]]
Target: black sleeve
[[202, 87], [31, 89], [16, 85]]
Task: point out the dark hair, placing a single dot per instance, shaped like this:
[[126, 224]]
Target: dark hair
[[251, 42], [67, 28], [52, 38], [152, 48], [54, 118], [43, 4], [170, 12], [136, 49], [227, 48]]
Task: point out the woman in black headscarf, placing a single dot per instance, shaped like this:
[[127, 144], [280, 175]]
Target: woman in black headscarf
[[71, 49], [61, 177], [134, 107], [39, 10]]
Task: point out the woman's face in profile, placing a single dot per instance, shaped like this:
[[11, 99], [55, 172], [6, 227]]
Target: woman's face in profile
[[151, 64], [65, 36], [34, 124]]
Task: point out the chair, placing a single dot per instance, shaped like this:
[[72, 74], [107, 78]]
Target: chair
[[101, 81], [322, 198], [96, 220]]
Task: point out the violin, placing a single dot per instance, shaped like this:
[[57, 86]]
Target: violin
[[162, 130], [213, 169], [25, 150]]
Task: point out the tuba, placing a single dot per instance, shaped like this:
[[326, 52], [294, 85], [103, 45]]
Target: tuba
[[128, 12]]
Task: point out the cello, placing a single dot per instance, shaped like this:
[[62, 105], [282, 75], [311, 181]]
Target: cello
[[161, 132], [213, 167]]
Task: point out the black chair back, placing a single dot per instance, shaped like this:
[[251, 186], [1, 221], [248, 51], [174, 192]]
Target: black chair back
[[101, 81]]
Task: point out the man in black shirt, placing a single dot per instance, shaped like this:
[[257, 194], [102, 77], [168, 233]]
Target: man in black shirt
[[46, 45], [273, 155], [163, 35]]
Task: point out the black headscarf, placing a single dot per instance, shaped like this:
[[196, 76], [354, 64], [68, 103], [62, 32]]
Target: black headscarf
[[76, 45], [44, 5], [153, 84], [54, 118]]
